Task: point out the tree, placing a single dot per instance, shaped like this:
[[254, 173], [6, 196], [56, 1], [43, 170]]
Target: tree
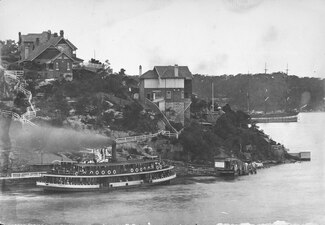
[[9, 51], [107, 67], [122, 72]]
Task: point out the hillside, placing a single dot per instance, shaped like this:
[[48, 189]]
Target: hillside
[[263, 92], [99, 103]]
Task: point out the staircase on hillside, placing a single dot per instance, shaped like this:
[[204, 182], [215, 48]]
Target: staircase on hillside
[[15, 78], [156, 108]]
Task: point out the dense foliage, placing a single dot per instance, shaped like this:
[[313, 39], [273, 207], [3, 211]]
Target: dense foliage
[[9, 51], [232, 133]]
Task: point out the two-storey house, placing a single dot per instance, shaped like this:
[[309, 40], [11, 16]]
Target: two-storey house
[[55, 54], [169, 88]]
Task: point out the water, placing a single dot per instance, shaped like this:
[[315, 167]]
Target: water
[[286, 194]]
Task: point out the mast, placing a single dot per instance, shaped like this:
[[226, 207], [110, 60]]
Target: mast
[[265, 100], [287, 90], [212, 97], [247, 94], [265, 69]]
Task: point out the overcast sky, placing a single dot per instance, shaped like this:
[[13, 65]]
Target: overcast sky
[[210, 36]]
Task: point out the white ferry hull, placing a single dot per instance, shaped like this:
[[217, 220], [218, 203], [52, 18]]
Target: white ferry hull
[[112, 186]]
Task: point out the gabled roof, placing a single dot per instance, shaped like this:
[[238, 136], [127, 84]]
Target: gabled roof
[[71, 45], [41, 48], [169, 72], [164, 72], [62, 53], [150, 74], [37, 51], [53, 42], [49, 53]]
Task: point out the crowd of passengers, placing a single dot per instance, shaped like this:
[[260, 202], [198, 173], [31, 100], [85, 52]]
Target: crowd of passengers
[[164, 174], [69, 181], [71, 169]]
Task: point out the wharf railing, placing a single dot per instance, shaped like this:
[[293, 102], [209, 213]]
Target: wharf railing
[[23, 175]]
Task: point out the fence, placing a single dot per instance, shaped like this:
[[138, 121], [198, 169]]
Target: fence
[[144, 137]]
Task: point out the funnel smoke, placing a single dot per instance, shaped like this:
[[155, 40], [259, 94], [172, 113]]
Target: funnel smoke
[[49, 139]]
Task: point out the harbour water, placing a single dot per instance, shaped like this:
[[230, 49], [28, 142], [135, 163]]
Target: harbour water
[[286, 194]]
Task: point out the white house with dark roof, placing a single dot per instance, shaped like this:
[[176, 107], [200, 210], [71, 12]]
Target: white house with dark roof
[[56, 54], [169, 88]]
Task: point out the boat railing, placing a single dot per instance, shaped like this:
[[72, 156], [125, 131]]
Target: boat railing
[[78, 172]]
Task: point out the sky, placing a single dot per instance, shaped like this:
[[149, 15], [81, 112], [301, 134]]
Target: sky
[[213, 37]]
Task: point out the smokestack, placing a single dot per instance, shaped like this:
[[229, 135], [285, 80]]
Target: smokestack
[[114, 151], [176, 70], [37, 41], [61, 33], [48, 34], [55, 34], [140, 70]]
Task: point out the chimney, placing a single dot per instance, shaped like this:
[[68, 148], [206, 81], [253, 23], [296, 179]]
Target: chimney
[[114, 151], [140, 70], [19, 37], [176, 70], [55, 34], [48, 35], [37, 41], [61, 33]]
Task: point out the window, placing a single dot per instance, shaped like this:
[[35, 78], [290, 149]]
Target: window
[[156, 94], [168, 95], [51, 66], [57, 66], [182, 94], [68, 66], [148, 96]]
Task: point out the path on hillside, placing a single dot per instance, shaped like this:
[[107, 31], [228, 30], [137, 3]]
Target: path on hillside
[[15, 78]]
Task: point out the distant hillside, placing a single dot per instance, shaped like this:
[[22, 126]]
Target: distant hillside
[[260, 92]]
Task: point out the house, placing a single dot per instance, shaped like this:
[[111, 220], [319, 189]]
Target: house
[[169, 88], [55, 55]]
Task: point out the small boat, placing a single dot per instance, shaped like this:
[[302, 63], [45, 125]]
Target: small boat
[[74, 176]]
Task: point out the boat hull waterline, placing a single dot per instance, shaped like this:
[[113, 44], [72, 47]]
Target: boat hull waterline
[[90, 181]]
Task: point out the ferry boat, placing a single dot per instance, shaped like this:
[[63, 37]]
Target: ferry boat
[[74, 176]]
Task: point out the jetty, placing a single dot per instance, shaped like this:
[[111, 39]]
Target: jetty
[[301, 156], [280, 119]]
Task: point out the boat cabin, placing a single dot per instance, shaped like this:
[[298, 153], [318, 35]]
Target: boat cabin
[[93, 169]]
